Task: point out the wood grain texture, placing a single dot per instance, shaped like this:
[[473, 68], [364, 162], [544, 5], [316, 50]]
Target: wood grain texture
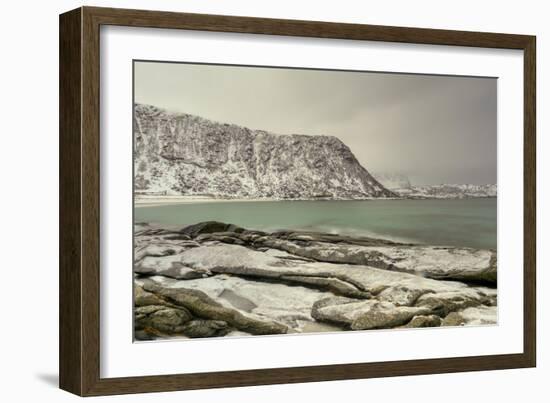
[[80, 200], [90, 202], [530, 202], [317, 29], [70, 271]]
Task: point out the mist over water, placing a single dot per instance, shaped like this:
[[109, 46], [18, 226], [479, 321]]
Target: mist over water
[[466, 222]]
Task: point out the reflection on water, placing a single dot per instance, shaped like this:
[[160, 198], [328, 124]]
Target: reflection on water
[[467, 222]]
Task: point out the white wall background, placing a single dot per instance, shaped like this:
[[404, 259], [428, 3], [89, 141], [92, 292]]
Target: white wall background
[[29, 182]]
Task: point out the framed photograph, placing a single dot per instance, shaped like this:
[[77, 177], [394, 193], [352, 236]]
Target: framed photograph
[[249, 201]]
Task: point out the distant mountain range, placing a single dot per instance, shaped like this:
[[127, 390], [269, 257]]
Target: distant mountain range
[[186, 155], [182, 154], [392, 180], [449, 191], [400, 184]]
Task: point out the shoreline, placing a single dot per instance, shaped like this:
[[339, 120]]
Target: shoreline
[[156, 201], [223, 280]]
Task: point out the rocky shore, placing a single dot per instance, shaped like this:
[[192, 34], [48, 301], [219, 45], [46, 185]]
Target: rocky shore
[[216, 279]]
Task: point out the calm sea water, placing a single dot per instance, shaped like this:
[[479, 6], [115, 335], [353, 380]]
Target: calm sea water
[[468, 222]]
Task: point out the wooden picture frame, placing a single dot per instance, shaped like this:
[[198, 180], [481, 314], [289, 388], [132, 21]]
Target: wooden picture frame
[[79, 346]]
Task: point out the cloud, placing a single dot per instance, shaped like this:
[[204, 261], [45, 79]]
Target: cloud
[[438, 129]]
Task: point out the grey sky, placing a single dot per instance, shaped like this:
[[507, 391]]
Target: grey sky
[[435, 129]]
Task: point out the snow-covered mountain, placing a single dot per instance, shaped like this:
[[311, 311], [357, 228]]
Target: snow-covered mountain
[[446, 191], [182, 154], [400, 184], [392, 180]]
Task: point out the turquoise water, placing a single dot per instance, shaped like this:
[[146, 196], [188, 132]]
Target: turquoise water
[[467, 222]]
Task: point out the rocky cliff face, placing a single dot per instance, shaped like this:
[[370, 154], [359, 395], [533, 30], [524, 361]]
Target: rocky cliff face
[[181, 154]]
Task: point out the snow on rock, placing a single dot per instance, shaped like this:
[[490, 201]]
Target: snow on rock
[[287, 304], [364, 315], [151, 265], [472, 316], [182, 154], [431, 261], [285, 282], [480, 315], [448, 191], [201, 307], [465, 264], [400, 184], [392, 180]]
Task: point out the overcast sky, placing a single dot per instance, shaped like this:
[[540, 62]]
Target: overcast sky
[[435, 129]]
